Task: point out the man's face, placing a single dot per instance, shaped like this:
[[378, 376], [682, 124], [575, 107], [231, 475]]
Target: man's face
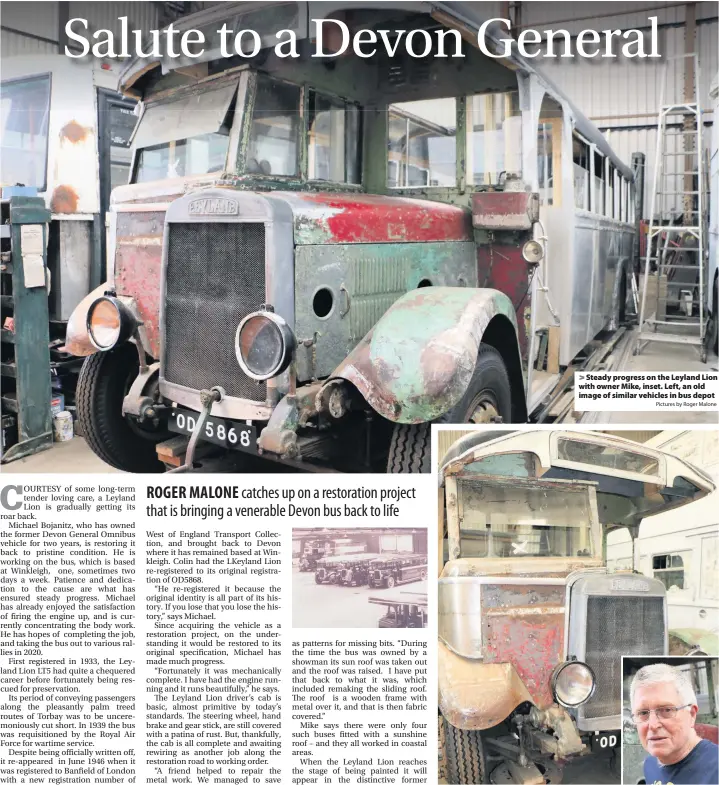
[[666, 740]]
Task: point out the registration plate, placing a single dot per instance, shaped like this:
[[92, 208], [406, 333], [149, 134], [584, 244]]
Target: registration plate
[[226, 433], [605, 740]]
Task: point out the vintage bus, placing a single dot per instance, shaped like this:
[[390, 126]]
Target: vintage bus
[[394, 569], [315, 252], [532, 623], [329, 569], [355, 569], [403, 608]]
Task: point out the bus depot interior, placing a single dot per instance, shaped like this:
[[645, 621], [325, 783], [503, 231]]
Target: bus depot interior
[[451, 132], [359, 577]]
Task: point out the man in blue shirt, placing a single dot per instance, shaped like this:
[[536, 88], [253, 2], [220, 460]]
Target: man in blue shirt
[[664, 709]]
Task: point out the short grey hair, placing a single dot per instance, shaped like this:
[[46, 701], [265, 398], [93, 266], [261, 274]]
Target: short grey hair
[[661, 672]]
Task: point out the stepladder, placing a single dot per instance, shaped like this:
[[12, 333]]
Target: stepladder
[[673, 303]]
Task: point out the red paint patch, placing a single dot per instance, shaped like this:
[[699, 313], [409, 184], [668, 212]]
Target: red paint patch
[[363, 218], [64, 199], [502, 267], [533, 644], [137, 274]]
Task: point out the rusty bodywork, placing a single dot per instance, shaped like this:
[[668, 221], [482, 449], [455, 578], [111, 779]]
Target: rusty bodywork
[[393, 273]]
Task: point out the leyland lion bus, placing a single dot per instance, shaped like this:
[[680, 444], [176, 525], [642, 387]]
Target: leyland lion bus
[[321, 252]]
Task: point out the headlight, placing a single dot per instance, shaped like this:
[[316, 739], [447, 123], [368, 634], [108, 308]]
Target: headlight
[[109, 323], [532, 252], [264, 345], [573, 683]]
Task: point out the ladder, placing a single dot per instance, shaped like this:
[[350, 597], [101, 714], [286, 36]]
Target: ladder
[[673, 309]]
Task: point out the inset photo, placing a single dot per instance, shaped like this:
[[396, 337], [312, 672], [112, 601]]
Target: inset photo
[[359, 577], [563, 551], [670, 720]]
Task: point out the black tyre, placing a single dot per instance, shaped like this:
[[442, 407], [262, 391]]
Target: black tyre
[[488, 399], [317, 578], [390, 582], [104, 380], [464, 754]]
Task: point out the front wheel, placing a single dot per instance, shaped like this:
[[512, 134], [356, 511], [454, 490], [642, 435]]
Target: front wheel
[[105, 378], [488, 399], [464, 754]]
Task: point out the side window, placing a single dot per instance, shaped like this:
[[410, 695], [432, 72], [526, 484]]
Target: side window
[[422, 144], [669, 569], [274, 137], [25, 114], [334, 143], [549, 152], [598, 192], [709, 582], [494, 137], [545, 168], [580, 158], [610, 193]]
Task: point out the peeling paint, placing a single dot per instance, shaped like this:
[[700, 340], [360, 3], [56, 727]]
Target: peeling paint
[[74, 132], [64, 199], [417, 362]]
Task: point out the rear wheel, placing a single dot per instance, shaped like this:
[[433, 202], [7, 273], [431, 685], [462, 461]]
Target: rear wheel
[[488, 399], [105, 379], [464, 753]]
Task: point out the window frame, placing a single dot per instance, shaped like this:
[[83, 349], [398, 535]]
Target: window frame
[[46, 75], [460, 137], [308, 90], [671, 555]]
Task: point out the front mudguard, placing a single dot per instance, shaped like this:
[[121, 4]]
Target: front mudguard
[[77, 340], [474, 695], [417, 361]]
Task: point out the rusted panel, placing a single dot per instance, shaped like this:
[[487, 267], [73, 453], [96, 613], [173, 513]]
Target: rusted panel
[[137, 275], [418, 360], [509, 210], [475, 695], [64, 199], [74, 132], [526, 567], [502, 267], [524, 626], [322, 218], [77, 341]]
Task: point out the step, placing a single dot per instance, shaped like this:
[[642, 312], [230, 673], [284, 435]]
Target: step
[[692, 340], [9, 370], [7, 336]]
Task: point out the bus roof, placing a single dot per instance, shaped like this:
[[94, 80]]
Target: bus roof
[[466, 16]]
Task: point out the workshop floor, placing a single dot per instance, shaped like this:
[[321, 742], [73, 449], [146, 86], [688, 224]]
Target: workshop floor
[[659, 357], [73, 457]]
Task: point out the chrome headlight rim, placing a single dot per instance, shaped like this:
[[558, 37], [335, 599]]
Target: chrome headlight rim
[[287, 339], [561, 668], [533, 252], [127, 323]]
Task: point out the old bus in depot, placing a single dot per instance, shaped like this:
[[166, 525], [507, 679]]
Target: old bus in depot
[[532, 623], [321, 251], [355, 569], [394, 569], [403, 608], [329, 569]]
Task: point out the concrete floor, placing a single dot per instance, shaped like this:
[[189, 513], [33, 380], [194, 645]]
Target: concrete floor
[[73, 457], [658, 357]]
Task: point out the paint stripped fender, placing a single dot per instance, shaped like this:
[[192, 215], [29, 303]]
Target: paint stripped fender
[[417, 361], [77, 341], [474, 695]]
